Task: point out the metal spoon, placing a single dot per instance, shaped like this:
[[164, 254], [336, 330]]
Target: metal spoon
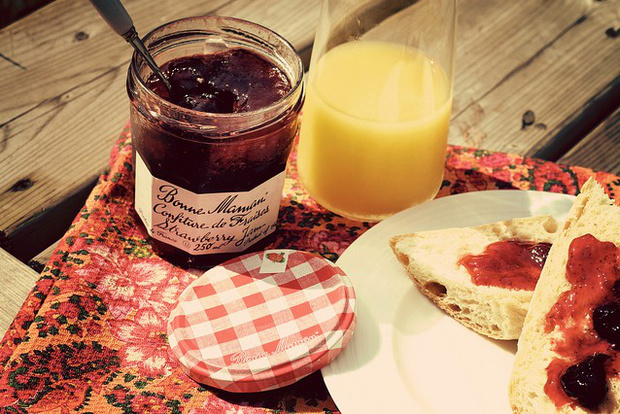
[[114, 13]]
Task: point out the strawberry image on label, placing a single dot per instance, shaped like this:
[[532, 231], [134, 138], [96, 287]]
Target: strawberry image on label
[[275, 257]]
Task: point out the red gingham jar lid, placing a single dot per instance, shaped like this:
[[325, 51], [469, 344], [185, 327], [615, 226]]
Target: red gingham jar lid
[[262, 321]]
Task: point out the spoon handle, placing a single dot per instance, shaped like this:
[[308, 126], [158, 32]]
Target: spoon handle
[[114, 13]]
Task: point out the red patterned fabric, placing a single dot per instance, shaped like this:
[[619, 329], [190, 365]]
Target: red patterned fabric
[[91, 337]]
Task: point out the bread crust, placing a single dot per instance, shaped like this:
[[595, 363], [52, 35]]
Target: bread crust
[[592, 212], [431, 259]]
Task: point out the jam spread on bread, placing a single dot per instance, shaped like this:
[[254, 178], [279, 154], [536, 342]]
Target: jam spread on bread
[[587, 318], [507, 264]]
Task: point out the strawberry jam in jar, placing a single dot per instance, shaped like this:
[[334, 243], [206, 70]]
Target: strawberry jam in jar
[[210, 153]]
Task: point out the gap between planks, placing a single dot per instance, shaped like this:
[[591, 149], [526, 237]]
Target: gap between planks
[[599, 150]]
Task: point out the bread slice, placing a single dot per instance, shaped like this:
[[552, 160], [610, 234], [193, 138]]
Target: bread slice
[[594, 213], [431, 259]]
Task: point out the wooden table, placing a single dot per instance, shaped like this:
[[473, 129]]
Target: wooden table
[[536, 77]]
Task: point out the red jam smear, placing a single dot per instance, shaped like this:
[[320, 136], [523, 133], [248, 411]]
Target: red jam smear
[[231, 81], [593, 267], [508, 264]]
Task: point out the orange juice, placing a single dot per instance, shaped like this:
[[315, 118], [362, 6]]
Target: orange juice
[[374, 129]]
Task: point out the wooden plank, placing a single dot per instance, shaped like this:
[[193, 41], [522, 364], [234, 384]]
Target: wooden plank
[[552, 58], [36, 233], [600, 150], [40, 260], [17, 280], [64, 110], [66, 44], [296, 20]]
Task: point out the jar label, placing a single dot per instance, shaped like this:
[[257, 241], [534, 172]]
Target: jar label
[[206, 223], [275, 261]]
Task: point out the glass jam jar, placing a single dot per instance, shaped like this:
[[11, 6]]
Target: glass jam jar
[[209, 184]]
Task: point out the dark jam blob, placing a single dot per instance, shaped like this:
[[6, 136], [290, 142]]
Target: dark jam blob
[[587, 381], [617, 289], [539, 253], [606, 321], [509, 264], [231, 81]]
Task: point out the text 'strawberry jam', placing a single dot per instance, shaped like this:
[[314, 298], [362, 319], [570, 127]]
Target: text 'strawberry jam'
[[507, 264], [210, 153]]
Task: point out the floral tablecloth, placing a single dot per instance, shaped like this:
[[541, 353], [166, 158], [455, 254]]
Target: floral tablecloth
[[91, 335]]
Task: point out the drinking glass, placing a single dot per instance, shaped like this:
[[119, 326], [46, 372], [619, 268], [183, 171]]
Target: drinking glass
[[379, 96]]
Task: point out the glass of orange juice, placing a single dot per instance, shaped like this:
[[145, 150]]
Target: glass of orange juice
[[379, 95]]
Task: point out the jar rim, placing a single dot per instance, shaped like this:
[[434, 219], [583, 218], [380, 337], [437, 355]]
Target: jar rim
[[298, 71]]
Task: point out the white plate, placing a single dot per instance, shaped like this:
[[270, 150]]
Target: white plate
[[406, 355]]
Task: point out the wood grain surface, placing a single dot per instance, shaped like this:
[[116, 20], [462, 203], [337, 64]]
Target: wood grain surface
[[40, 260], [551, 58], [16, 280], [599, 150], [63, 71]]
